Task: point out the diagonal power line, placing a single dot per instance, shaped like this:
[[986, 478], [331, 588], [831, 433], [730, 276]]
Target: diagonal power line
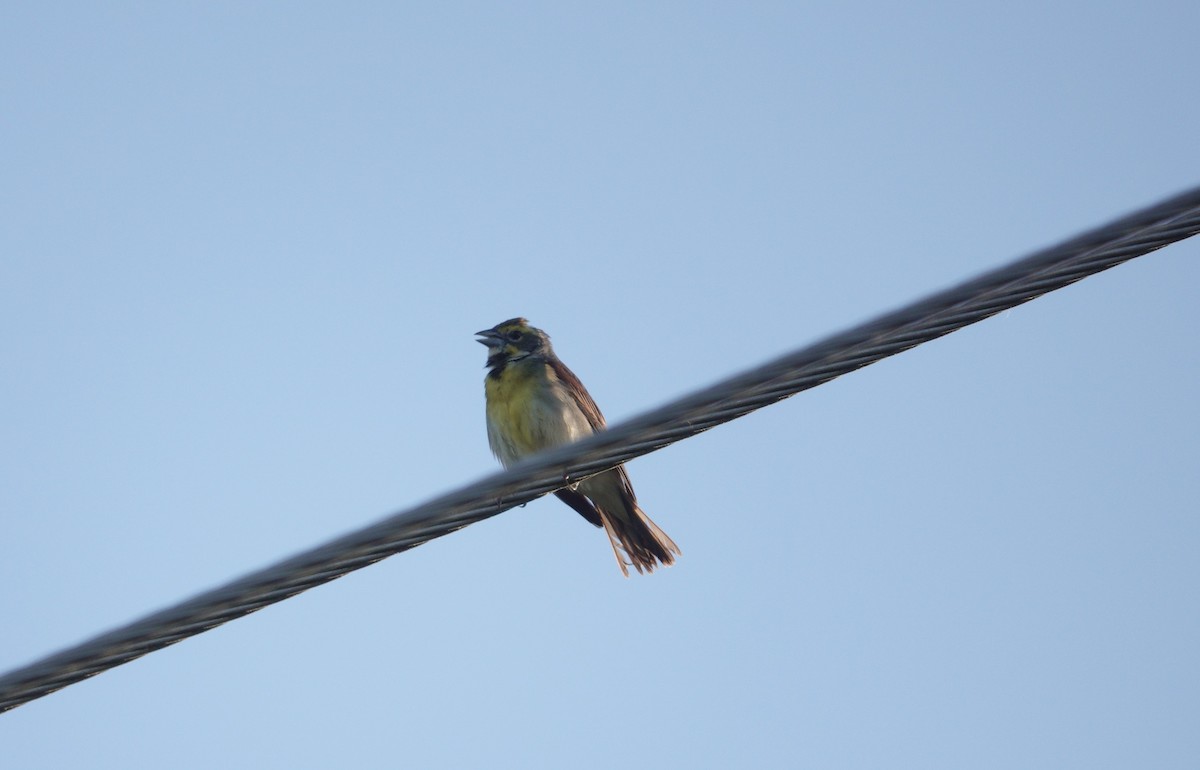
[[939, 314]]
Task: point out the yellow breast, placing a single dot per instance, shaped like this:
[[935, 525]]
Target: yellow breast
[[510, 398], [528, 410]]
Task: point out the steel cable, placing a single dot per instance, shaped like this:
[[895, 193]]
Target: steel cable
[[939, 314]]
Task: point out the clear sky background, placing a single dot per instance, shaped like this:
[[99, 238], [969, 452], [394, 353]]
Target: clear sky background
[[243, 251]]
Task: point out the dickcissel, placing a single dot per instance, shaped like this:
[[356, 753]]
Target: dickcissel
[[535, 402]]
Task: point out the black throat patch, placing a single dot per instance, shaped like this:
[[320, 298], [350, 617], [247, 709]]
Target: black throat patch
[[496, 363]]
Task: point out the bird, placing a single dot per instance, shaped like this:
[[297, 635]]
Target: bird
[[535, 402]]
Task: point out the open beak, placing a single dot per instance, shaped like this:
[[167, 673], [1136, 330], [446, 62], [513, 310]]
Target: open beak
[[490, 337]]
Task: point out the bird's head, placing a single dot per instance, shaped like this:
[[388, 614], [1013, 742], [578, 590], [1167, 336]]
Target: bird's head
[[513, 340]]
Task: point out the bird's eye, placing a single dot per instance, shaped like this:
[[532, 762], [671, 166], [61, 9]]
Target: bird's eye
[[514, 336]]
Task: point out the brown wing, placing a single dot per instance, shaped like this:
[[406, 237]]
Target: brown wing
[[583, 399]]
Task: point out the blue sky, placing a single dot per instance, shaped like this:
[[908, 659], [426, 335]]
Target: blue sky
[[244, 250]]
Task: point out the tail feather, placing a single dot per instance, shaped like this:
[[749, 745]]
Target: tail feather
[[636, 540], [639, 538]]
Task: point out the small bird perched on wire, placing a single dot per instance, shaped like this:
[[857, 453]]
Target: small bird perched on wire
[[535, 402]]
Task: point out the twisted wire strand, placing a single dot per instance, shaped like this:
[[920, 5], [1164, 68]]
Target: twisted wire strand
[[937, 315]]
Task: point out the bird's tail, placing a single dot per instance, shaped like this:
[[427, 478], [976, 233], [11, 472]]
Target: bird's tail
[[635, 535], [636, 540]]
